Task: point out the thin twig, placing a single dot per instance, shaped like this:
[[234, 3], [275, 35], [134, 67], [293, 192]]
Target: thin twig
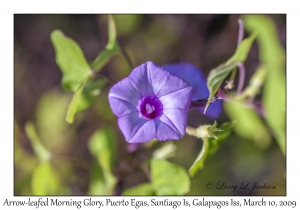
[[241, 32], [127, 58], [145, 168], [202, 102], [99, 74]]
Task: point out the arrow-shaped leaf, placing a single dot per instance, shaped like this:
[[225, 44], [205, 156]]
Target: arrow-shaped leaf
[[70, 59]]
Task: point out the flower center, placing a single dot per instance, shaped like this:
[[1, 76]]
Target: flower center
[[150, 107]]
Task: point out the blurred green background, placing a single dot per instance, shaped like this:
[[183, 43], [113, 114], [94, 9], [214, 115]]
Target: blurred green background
[[40, 106]]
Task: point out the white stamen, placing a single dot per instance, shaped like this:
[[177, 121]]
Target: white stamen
[[149, 108]]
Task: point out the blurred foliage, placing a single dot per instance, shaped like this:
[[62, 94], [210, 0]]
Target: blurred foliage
[[249, 125], [41, 152], [255, 84], [168, 178], [102, 146], [45, 180], [163, 180], [142, 189], [90, 157], [272, 57]]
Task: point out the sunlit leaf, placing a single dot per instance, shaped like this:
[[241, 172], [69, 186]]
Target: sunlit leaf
[[45, 180], [169, 178], [78, 73], [74, 105], [242, 50], [248, 123], [102, 145], [41, 152], [272, 56], [142, 189], [210, 146], [70, 59]]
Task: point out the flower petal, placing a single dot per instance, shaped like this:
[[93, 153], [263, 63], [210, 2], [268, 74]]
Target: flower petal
[[121, 107], [125, 91], [171, 85], [180, 99], [157, 75], [193, 76], [136, 129], [197, 80], [165, 132], [178, 117], [140, 80]]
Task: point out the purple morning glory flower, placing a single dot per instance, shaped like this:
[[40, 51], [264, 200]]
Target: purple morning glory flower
[[197, 80], [151, 103]]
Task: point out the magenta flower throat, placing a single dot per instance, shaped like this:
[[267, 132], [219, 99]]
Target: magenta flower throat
[[151, 103]]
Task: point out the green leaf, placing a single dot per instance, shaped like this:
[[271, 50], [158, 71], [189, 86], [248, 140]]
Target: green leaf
[[272, 56], [112, 48], [102, 145], [249, 125], [242, 50], [70, 59], [169, 178], [142, 189], [42, 153], [210, 146], [74, 105], [216, 78], [45, 180], [215, 143], [199, 162]]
